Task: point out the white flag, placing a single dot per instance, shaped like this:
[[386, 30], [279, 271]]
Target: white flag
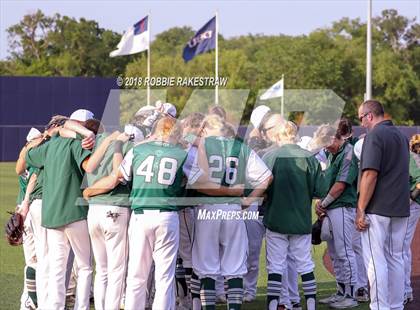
[[134, 40], [274, 91]]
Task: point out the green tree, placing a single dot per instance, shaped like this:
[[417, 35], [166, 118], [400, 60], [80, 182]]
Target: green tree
[[63, 46]]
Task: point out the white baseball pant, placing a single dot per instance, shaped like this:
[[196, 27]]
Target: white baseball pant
[[186, 236], [382, 245], [108, 233], [278, 246], [220, 245], [341, 246], [255, 231], [362, 280], [73, 236], [30, 257], [289, 282], [41, 248], [153, 236], [411, 229], [220, 286]]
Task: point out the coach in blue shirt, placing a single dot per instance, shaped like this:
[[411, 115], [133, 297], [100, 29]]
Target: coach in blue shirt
[[383, 206]]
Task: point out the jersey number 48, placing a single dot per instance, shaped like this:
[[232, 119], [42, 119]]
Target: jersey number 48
[[166, 172]]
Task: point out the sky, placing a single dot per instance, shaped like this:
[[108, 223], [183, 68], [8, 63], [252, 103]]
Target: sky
[[291, 17]]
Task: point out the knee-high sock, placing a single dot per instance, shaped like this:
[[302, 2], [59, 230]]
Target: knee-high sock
[[181, 284], [195, 291], [188, 274], [30, 274], [235, 293], [208, 294], [309, 285], [273, 290]]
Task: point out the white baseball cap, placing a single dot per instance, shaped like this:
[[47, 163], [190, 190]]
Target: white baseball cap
[[32, 134], [133, 130], [258, 114], [358, 148], [81, 115], [166, 107], [145, 109]]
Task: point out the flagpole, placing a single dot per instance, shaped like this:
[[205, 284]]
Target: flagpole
[[369, 53], [217, 59], [282, 97], [148, 61]]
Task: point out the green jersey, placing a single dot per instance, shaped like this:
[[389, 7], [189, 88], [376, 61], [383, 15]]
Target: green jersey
[[232, 162], [37, 191], [61, 160], [23, 180], [119, 196], [227, 159], [414, 172], [343, 167], [297, 179], [156, 171]]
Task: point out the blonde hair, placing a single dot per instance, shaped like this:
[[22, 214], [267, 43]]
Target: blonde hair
[[322, 137], [213, 122], [288, 132], [415, 144], [167, 127], [56, 120]]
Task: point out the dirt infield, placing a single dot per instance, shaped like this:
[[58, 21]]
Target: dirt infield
[[415, 272]]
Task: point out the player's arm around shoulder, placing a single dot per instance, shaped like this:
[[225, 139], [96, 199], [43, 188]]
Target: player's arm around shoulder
[[24, 206], [35, 157], [259, 175]]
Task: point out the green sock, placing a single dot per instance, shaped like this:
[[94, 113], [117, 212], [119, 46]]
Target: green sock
[[235, 293], [208, 294]]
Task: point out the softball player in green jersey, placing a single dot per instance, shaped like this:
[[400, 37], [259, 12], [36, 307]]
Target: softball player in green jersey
[[339, 205], [34, 243], [296, 181], [413, 219], [155, 168], [28, 297], [220, 245], [63, 160], [108, 218]]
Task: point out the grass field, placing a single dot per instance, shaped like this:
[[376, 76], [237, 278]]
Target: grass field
[[12, 262]]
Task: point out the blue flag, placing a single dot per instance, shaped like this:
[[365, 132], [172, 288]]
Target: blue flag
[[203, 41]]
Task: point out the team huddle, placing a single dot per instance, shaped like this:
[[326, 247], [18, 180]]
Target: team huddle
[[130, 204]]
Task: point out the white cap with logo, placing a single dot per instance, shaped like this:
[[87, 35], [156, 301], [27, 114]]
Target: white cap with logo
[[135, 132], [166, 107], [32, 134], [81, 115], [258, 114]]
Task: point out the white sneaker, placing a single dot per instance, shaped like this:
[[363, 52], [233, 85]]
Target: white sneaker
[[344, 303], [310, 304], [248, 298], [29, 305], [331, 299]]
